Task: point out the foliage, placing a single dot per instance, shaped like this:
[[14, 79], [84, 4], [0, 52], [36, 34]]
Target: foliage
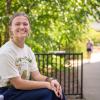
[[55, 24]]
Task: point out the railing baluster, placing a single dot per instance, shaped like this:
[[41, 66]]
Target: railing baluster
[[66, 67]]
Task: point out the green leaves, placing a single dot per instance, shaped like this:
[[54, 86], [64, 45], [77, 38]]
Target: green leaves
[[55, 24]]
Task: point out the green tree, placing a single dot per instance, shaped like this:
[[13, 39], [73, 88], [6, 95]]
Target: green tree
[[56, 24]]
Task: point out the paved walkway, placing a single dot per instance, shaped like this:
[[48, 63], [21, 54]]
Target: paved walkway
[[91, 88]]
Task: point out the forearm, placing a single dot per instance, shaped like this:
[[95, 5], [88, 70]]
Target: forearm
[[29, 84], [38, 77]]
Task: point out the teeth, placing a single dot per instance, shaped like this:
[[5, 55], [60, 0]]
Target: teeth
[[21, 31]]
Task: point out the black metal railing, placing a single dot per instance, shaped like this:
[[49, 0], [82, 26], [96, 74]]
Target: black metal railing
[[67, 68]]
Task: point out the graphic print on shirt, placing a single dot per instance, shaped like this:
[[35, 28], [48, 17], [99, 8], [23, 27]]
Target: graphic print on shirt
[[22, 64]]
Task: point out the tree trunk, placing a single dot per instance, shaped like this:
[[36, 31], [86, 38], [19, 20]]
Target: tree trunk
[[8, 6]]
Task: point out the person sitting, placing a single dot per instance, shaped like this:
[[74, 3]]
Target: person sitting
[[18, 63]]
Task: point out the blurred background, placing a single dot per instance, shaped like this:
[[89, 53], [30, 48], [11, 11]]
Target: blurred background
[[56, 25]]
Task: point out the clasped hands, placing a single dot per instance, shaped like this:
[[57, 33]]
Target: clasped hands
[[56, 87]]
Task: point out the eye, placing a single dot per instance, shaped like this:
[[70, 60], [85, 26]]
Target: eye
[[25, 24], [17, 24]]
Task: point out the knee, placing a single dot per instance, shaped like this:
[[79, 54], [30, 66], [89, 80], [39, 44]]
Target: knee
[[46, 92]]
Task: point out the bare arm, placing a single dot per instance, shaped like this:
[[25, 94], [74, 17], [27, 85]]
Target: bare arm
[[37, 76], [54, 83], [22, 84]]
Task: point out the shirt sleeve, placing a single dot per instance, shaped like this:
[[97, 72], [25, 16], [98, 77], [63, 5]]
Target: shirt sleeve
[[7, 67], [33, 66]]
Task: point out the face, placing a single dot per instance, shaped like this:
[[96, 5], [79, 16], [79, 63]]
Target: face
[[20, 27]]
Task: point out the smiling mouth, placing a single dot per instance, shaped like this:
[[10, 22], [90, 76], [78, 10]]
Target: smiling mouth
[[22, 31]]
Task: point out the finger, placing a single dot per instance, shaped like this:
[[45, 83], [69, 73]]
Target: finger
[[61, 94], [58, 88], [60, 91], [56, 92]]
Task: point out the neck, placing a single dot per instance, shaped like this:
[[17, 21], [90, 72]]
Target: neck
[[18, 43]]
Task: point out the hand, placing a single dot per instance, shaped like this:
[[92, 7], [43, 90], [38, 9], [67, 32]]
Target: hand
[[56, 87], [48, 85]]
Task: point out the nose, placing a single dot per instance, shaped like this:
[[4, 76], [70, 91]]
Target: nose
[[21, 26]]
